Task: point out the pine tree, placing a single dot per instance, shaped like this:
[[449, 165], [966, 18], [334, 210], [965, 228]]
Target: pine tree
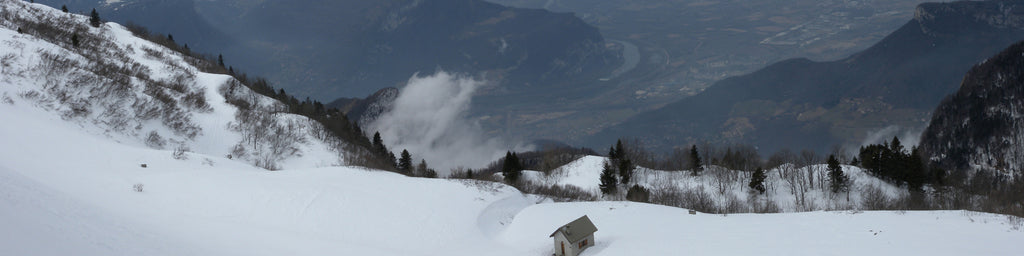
[[626, 168], [220, 60], [74, 40], [517, 165], [696, 166], [757, 181], [64, 8], [19, 31], [916, 174], [837, 179], [392, 160], [378, 143], [620, 153], [94, 18], [405, 163], [608, 182], [511, 168], [422, 169], [896, 146]]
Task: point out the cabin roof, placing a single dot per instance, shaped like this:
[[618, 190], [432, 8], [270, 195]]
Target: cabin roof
[[576, 230]]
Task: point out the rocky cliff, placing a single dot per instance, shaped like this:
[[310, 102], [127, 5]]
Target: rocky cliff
[[981, 126]]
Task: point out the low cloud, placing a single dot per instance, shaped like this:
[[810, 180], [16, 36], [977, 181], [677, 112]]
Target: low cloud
[[908, 137], [429, 118]]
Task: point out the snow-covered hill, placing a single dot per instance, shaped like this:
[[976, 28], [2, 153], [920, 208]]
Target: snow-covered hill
[[789, 188], [72, 183], [113, 84]]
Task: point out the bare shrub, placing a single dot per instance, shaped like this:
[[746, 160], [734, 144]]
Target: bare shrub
[[637, 193], [768, 206], [691, 198], [732, 204], [138, 187], [7, 99], [153, 53], [6, 61], [873, 198], [145, 109], [179, 152], [197, 100], [558, 193], [154, 140]]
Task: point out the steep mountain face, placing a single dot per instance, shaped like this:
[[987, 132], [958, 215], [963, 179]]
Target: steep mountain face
[[803, 104], [365, 110], [981, 126], [333, 49]]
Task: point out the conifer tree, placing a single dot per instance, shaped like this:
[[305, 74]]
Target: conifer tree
[[74, 40], [757, 181], [405, 163], [696, 166], [94, 18], [220, 60], [608, 182], [391, 159], [378, 143], [837, 179], [620, 153], [422, 169], [626, 168], [64, 8], [511, 168]]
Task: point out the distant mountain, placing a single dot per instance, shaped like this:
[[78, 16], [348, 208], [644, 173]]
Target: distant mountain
[[802, 104], [365, 110], [334, 49], [981, 126], [176, 17]]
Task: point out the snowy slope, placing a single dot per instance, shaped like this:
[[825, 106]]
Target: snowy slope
[[213, 206], [67, 187], [139, 93]]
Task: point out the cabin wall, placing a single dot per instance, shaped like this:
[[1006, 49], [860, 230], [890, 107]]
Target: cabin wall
[[569, 247], [590, 242]]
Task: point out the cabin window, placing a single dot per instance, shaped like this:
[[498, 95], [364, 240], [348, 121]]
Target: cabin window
[[583, 243]]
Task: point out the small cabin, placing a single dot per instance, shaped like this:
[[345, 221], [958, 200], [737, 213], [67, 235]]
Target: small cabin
[[573, 238]]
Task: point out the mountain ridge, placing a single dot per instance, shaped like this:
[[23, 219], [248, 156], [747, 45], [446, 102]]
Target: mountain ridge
[[335, 49], [799, 103]]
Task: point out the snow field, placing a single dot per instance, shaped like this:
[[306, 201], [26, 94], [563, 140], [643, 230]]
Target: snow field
[[643, 229], [67, 187]]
